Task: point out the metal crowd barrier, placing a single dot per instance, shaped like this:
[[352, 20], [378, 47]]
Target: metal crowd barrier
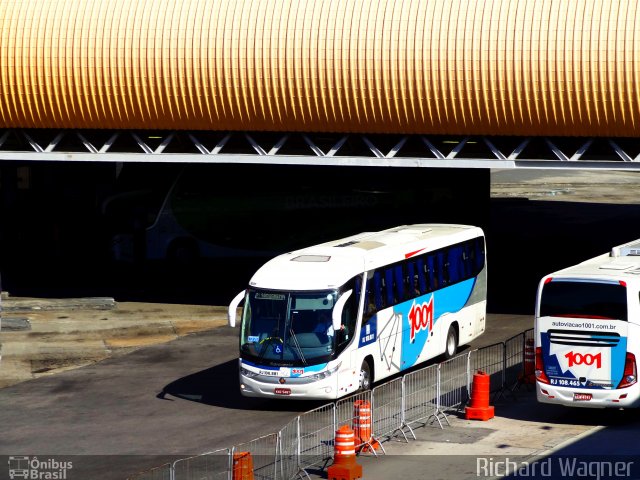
[[163, 472], [420, 397], [453, 382], [387, 410], [315, 437], [263, 452], [417, 399], [211, 466], [490, 360], [513, 362], [290, 461]]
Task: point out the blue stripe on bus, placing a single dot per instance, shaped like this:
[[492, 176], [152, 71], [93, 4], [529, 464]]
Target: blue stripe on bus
[[451, 299]]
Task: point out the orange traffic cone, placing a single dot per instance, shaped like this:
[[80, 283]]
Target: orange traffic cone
[[344, 465], [362, 427], [242, 466], [480, 408]]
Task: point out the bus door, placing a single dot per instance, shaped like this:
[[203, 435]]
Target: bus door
[[582, 332], [381, 324]]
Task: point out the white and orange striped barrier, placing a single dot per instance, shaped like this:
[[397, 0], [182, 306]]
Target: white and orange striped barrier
[[362, 427], [344, 465]]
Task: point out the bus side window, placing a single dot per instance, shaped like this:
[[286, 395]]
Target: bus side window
[[422, 277], [377, 290], [370, 298], [388, 281], [440, 269], [357, 290], [474, 257], [350, 314], [446, 268], [467, 266], [478, 255], [455, 264], [411, 289], [399, 282], [432, 280]]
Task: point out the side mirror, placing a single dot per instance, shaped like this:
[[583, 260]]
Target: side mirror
[[233, 306], [336, 315]]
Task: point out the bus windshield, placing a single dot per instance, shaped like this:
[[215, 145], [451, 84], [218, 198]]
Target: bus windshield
[[288, 328], [597, 300]]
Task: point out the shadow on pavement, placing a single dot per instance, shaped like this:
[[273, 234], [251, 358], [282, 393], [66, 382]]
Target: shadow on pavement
[[218, 386], [608, 450], [511, 406]]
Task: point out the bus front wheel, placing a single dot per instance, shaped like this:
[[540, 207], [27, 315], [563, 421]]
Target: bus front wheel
[[451, 346], [365, 376]]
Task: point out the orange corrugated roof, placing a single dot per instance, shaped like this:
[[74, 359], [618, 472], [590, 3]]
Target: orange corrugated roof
[[540, 67]]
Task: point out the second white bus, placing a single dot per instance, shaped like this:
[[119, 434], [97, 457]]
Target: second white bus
[[587, 332], [329, 320]]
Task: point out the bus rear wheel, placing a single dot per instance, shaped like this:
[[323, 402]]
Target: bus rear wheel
[[365, 376], [451, 346]]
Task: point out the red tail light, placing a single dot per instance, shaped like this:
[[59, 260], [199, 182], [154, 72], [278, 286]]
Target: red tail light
[[540, 375], [630, 375]]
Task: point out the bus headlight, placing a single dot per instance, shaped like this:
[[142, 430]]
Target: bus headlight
[[327, 373], [247, 373]]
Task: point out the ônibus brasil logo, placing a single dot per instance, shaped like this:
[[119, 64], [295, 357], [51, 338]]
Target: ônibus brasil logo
[[38, 469], [421, 318]]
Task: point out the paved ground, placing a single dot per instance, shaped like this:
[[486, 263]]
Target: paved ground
[[583, 186], [522, 431], [178, 398], [45, 336], [164, 401]]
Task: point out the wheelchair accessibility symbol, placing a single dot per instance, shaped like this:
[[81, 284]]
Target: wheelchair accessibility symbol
[[277, 349]]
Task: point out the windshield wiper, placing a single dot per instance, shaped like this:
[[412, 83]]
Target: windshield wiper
[[297, 344]]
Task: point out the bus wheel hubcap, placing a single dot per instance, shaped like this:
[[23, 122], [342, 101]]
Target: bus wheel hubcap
[[364, 379]]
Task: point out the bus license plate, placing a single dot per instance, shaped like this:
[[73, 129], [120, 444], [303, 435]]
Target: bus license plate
[[282, 391], [581, 397]]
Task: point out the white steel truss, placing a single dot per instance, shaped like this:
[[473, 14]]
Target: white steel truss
[[320, 149]]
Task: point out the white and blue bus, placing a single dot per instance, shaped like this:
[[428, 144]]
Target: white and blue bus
[[329, 320], [587, 332]]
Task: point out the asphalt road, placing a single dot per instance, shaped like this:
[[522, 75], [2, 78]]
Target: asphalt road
[[158, 403]]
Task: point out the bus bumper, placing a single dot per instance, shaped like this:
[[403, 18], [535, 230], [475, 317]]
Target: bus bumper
[[325, 389], [589, 398]]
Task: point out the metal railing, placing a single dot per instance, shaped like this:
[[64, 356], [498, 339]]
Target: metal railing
[[316, 430], [420, 397], [163, 472], [417, 399], [259, 455], [211, 465], [387, 410]]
